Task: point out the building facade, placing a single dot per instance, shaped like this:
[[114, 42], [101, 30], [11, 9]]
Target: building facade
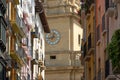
[[3, 39], [88, 42], [106, 18], [63, 43], [38, 43], [112, 21], [101, 38], [17, 23], [94, 64]]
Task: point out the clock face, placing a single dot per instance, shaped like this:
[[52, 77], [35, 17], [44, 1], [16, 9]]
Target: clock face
[[53, 37]]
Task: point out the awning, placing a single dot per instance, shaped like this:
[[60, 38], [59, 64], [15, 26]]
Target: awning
[[39, 9]]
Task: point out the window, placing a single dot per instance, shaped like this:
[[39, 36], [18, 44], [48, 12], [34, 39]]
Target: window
[[89, 27], [107, 68], [52, 57], [2, 31], [41, 43], [89, 41], [36, 54], [98, 32], [2, 34], [103, 22], [2, 72], [99, 14], [99, 62], [79, 39]]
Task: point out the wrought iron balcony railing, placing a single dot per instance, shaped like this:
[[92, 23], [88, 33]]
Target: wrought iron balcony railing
[[16, 51], [23, 27], [18, 20]]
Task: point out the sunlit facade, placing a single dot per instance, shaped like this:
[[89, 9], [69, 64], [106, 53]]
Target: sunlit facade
[[18, 20], [88, 42]]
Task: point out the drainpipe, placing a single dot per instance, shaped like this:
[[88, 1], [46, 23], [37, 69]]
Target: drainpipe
[[95, 40]]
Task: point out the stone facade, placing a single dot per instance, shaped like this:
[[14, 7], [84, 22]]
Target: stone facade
[[62, 59]]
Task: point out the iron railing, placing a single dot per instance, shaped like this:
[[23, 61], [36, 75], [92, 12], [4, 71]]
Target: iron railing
[[23, 27], [4, 2], [2, 33], [18, 20]]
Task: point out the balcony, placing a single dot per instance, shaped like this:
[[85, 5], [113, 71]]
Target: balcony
[[23, 28], [23, 55], [2, 34], [3, 6], [91, 43], [110, 7], [16, 51], [17, 24]]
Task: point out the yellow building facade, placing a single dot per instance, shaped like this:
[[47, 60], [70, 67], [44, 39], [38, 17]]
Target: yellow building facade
[[88, 56]]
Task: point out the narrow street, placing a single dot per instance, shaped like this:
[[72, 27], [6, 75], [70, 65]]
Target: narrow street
[[59, 39]]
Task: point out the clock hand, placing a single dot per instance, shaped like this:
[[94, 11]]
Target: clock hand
[[51, 36]]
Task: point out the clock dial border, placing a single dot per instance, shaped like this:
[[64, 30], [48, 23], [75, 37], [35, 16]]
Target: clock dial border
[[54, 34]]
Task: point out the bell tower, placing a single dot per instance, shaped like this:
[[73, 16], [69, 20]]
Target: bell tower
[[63, 44]]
